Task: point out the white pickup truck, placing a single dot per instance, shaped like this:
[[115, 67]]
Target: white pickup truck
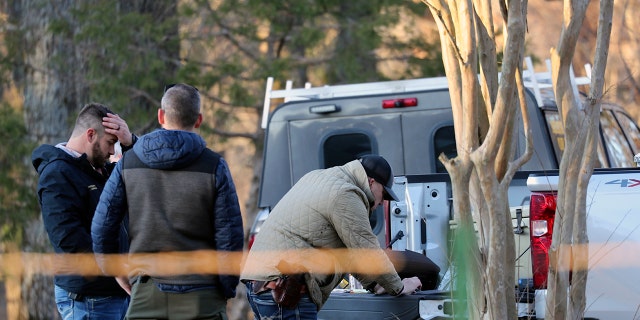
[[613, 228], [410, 123]]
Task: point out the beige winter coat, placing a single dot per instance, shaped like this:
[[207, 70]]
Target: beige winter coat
[[326, 209]]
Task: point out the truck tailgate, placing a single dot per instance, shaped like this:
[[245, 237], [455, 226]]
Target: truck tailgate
[[434, 305]]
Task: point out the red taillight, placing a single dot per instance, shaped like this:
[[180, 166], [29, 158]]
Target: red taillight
[[252, 238], [542, 212], [399, 103]]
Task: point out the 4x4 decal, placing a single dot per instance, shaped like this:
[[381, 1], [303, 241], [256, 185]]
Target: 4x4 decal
[[625, 183]]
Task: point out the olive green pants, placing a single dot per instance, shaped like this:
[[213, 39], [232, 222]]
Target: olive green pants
[[148, 302]]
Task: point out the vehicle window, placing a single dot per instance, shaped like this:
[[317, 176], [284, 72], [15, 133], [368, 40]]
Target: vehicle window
[[630, 129], [617, 147], [556, 132], [601, 161], [342, 148], [444, 141]]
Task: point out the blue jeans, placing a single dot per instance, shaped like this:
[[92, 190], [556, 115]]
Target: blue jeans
[[264, 308], [90, 307]]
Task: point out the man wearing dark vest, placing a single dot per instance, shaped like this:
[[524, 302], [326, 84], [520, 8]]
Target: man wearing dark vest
[[179, 199]]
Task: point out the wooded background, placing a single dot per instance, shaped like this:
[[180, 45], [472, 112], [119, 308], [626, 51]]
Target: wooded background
[[55, 56]]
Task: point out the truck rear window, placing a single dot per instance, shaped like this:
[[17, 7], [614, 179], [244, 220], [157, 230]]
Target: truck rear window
[[444, 141], [341, 148]]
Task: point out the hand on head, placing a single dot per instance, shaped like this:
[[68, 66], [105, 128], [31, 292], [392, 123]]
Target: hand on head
[[116, 126]]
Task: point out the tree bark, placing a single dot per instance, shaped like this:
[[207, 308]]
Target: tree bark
[[52, 91], [569, 250]]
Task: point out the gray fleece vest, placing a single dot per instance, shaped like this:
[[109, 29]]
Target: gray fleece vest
[[170, 211]]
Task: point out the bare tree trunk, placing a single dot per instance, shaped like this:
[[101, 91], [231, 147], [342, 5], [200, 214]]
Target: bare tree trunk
[[471, 271], [569, 249], [490, 292], [577, 294], [52, 93]]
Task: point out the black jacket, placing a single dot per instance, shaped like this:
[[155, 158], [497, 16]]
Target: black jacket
[[68, 192]]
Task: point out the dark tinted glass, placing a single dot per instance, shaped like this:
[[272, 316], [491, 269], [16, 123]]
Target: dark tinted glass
[[342, 148], [444, 141]]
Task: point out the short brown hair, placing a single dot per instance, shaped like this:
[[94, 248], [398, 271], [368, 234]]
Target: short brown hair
[[91, 117], [181, 104]]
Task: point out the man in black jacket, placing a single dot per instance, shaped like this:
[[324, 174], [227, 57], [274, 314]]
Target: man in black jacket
[[72, 176]]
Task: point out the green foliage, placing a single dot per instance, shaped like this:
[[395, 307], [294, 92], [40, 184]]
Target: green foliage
[[18, 204], [335, 39], [134, 48], [464, 241], [132, 52], [10, 45], [225, 48], [228, 48]]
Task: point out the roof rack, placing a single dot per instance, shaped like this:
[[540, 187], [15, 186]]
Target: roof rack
[[540, 84], [346, 90]]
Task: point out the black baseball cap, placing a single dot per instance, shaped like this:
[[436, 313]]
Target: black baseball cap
[[379, 169]]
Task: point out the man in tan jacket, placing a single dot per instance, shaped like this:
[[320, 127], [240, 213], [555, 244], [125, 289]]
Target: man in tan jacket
[[320, 230]]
